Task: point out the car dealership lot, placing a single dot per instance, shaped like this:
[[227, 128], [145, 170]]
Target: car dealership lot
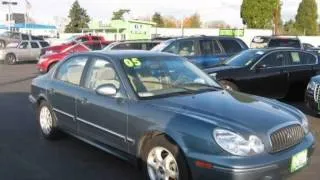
[[24, 154]]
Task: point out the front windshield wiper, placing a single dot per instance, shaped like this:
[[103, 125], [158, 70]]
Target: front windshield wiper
[[211, 87]]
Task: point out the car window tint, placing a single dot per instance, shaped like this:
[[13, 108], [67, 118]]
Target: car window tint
[[71, 70], [300, 58], [206, 47], [284, 43], [216, 48], [230, 46], [34, 45], [101, 73], [44, 44], [122, 46], [276, 59], [186, 48], [24, 45], [24, 37]]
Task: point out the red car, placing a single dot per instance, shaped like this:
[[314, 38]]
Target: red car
[[70, 42], [47, 61]]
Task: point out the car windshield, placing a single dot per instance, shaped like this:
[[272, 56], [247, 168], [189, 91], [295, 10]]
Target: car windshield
[[161, 46], [244, 58], [153, 77], [71, 39], [284, 43]]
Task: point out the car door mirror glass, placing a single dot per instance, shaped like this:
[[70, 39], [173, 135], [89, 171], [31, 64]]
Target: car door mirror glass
[[107, 90]]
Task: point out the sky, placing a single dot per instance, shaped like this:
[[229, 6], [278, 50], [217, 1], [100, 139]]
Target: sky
[[44, 11]]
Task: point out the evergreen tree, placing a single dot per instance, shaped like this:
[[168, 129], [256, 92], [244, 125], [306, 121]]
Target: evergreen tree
[[79, 19], [157, 18], [306, 19], [118, 15]]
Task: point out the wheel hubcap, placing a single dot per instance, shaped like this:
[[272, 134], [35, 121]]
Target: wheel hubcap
[[11, 59], [162, 165], [45, 120]]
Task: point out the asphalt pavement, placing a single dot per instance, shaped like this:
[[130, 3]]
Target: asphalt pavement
[[26, 155]]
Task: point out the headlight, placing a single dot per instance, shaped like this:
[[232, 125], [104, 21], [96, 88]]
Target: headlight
[[305, 124], [311, 86], [236, 144]]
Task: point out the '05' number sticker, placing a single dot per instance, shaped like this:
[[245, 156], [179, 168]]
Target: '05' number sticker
[[133, 62]]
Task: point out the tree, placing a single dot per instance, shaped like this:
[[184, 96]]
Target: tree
[[193, 21], [258, 13], [306, 19], [289, 28], [79, 19], [277, 17], [157, 18], [118, 15], [170, 22]]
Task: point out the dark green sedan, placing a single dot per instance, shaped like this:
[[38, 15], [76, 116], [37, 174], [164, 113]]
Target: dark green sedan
[[164, 114]]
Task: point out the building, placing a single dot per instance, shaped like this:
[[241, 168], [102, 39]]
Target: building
[[32, 28], [122, 29]]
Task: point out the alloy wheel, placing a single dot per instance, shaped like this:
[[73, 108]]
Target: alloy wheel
[[45, 120], [162, 165]]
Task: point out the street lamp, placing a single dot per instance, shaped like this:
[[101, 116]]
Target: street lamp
[[9, 4]]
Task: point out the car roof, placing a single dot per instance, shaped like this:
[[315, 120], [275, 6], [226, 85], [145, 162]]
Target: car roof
[[204, 37], [122, 54], [278, 49]]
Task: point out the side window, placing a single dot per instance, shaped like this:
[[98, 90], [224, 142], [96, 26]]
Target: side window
[[24, 45], [71, 70], [216, 47], [172, 48], [15, 36], [25, 37], [276, 59], [186, 48], [301, 58], [94, 46], [83, 39], [44, 44], [206, 47], [34, 45], [230, 46], [95, 38], [101, 73]]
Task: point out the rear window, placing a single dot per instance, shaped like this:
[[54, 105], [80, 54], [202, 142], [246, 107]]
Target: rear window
[[44, 44], [230, 46], [284, 43]]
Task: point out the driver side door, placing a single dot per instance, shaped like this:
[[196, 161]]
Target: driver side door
[[269, 77], [24, 53]]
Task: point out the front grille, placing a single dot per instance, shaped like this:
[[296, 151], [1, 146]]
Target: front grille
[[286, 137], [316, 93]]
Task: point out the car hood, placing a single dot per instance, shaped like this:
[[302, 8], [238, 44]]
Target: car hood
[[233, 110]]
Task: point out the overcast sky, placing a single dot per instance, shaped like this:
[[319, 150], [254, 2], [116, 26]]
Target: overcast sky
[[228, 10]]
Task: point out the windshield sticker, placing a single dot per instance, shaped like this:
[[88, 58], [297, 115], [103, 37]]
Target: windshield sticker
[[133, 62], [295, 57]]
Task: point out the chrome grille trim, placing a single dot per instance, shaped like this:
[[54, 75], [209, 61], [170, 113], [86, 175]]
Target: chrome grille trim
[[316, 93], [286, 137]]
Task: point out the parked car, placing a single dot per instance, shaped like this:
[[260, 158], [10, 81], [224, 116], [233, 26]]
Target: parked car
[[312, 95], [22, 51], [46, 62], [307, 46], [260, 42], [73, 40], [285, 41], [163, 112], [203, 51], [132, 45], [268, 72], [10, 37]]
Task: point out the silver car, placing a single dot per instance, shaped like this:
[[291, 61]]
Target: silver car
[[22, 51]]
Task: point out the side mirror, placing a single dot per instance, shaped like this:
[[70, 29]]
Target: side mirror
[[107, 90]]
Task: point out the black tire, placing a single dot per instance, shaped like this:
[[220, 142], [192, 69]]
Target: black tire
[[229, 85], [11, 59], [164, 142], [2, 44], [54, 132]]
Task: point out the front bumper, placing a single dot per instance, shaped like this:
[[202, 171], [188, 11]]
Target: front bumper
[[262, 167]]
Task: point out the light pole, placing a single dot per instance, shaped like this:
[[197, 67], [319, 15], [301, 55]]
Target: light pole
[[9, 3]]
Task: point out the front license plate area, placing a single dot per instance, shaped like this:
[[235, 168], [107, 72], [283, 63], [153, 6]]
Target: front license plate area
[[298, 161]]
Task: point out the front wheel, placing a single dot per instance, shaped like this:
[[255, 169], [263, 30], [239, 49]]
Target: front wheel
[[11, 59], [163, 160]]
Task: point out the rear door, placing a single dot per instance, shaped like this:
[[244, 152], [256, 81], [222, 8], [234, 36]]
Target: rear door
[[269, 77], [35, 50], [301, 69], [65, 89], [230, 46]]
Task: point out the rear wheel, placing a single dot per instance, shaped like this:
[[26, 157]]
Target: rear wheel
[[47, 121], [10, 59], [163, 160], [229, 85]]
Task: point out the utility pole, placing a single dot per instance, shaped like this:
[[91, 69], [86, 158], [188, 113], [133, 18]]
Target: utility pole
[[9, 4]]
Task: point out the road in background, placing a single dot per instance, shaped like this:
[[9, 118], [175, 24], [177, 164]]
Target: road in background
[[25, 155]]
